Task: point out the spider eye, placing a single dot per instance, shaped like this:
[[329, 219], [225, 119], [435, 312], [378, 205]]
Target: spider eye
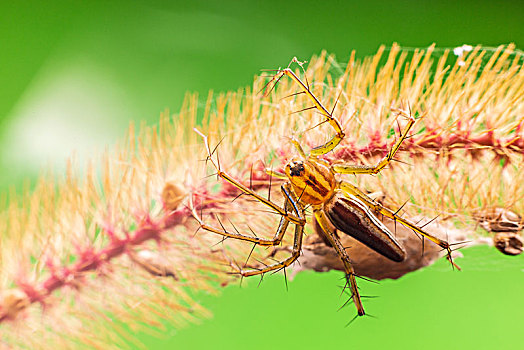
[[296, 169]]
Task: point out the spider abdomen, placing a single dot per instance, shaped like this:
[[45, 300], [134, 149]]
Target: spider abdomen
[[349, 215]]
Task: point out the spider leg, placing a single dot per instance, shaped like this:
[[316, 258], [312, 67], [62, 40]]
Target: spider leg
[[274, 173], [290, 217], [292, 203], [281, 230], [350, 273], [298, 148], [365, 169], [351, 189], [335, 140], [297, 247]]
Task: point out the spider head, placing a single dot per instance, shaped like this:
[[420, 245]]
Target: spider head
[[312, 180], [295, 168]]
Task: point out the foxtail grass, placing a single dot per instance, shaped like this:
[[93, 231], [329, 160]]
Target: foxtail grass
[[73, 267]]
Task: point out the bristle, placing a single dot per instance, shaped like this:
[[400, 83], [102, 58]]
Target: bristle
[[64, 252]]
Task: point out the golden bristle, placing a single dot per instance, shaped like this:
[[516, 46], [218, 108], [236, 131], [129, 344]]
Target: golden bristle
[[465, 155]]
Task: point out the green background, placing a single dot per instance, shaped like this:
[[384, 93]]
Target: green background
[[74, 74]]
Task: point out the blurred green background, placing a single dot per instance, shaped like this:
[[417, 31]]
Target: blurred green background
[[74, 74]]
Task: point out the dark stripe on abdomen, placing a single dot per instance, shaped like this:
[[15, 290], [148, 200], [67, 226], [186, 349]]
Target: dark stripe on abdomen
[[353, 218]]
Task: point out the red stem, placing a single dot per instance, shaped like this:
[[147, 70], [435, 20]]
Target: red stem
[[91, 260]]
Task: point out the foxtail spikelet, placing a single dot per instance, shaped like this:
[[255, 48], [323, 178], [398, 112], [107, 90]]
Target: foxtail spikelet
[[118, 245]]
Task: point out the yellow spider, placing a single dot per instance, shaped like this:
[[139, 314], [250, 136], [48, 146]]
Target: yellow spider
[[311, 181]]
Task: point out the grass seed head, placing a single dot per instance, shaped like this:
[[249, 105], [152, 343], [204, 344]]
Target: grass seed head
[[68, 244]]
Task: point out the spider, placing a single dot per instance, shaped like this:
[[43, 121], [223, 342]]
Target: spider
[[310, 181]]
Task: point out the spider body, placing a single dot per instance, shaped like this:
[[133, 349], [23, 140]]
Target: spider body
[[310, 181], [314, 183]]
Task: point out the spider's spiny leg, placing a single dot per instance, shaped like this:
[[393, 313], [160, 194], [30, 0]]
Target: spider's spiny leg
[[291, 204], [299, 148], [297, 247], [276, 240], [274, 173], [331, 144], [293, 218], [350, 272], [349, 188], [365, 169]]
